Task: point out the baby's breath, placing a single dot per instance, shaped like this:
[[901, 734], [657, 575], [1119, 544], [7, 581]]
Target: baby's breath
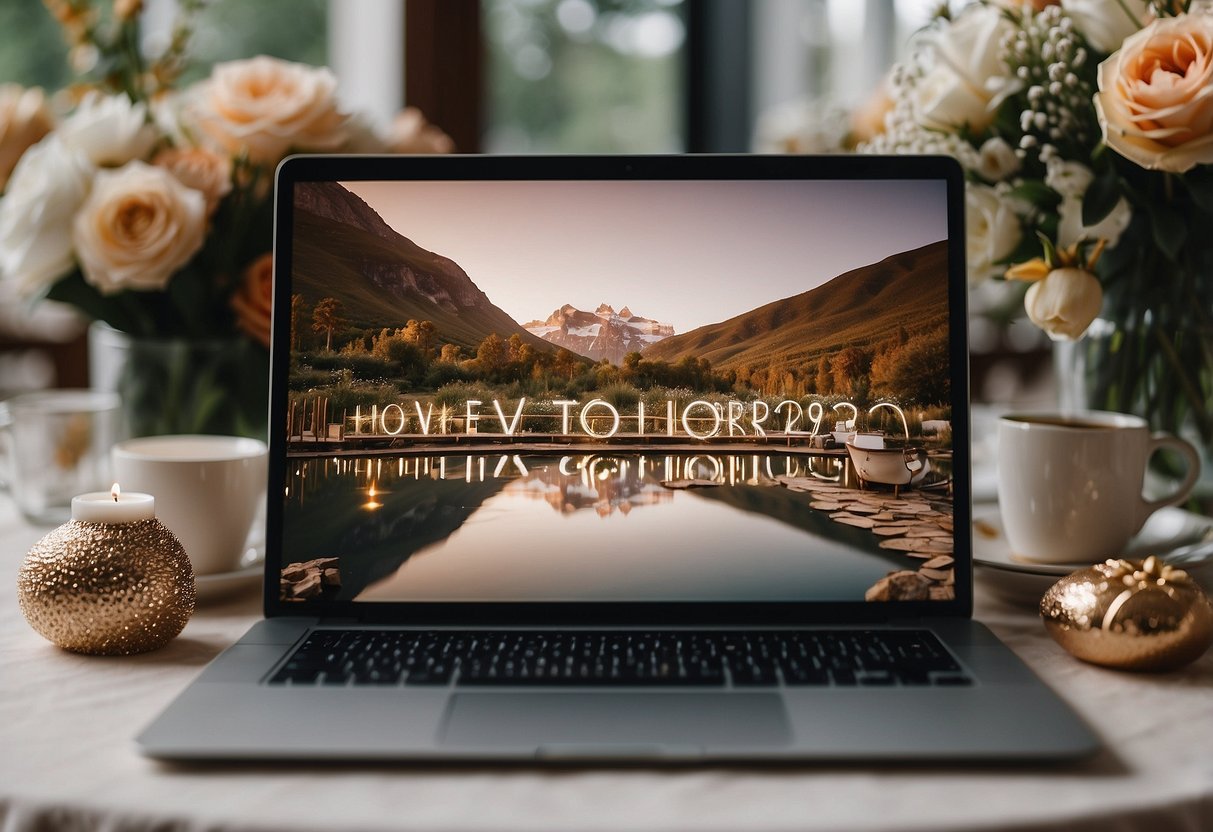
[[1056, 116]]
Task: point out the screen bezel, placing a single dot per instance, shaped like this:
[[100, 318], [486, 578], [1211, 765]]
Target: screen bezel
[[315, 168]]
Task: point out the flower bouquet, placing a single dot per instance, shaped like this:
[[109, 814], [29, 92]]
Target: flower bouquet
[[149, 208], [1086, 132]]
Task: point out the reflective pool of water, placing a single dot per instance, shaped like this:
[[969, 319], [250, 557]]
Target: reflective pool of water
[[597, 527]]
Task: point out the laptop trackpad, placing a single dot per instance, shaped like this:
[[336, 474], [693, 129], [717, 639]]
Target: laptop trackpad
[[593, 722]]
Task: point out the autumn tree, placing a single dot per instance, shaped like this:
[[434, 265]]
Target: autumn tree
[[491, 353], [824, 380], [451, 353], [918, 371], [421, 334], [326, 317], [513, 348], [847, 369]]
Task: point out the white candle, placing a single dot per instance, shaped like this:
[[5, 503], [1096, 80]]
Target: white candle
[[113, 506]]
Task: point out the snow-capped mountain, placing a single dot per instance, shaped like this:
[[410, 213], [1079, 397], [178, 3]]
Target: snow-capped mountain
[[603, 333]]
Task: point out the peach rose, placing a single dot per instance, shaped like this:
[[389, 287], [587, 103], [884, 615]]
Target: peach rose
[[203, 170], [254, 299], [412, 133], [266, 107], [24, 119], [137, 227], [1155, 99]]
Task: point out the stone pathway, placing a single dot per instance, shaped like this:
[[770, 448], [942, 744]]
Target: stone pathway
[[916, 523]]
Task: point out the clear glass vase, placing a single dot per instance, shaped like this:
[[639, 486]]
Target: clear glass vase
[[1161, 373], [179, 385]]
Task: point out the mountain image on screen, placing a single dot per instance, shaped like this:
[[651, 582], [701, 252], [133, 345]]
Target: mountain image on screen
[[344, 250], [513, 404], [603, 333]]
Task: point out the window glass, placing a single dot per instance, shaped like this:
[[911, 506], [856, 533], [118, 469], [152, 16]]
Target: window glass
[[587, 76], [225, 29]]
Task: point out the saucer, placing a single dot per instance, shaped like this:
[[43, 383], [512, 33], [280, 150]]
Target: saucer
[[219, 585], [1023, 582]]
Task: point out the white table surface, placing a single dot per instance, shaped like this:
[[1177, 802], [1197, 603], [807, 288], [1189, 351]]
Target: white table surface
[[67, 759]]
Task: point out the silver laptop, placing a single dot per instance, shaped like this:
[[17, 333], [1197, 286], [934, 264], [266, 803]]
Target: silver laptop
[[614, 458]]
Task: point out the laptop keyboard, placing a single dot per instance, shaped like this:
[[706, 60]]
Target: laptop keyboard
[[633, 658]]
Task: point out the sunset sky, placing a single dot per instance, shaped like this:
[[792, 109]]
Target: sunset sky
[[684, 253]]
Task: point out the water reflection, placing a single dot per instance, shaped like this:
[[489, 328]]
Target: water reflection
[[567, 527]]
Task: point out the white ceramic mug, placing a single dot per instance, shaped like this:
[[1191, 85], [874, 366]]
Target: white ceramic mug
[[1070, 485], [208, 491]]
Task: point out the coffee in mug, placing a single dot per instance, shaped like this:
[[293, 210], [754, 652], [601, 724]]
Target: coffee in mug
[[1070, 485]]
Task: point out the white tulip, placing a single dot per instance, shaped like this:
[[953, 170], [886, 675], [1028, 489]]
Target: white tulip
[[1064, 303], [1070, 229]]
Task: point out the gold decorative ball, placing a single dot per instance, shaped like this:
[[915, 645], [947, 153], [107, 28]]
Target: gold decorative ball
[[107, 588], [1130, 615]]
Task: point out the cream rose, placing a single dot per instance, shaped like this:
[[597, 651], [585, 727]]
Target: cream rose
[[996, 160], [1106, 23], [48, 186], [110, 130], [992, 231], [137, 227], [255, 298], [1155, 99], [203, 170], [24, 119], [1064, 303], [266, 107], [967, 73]]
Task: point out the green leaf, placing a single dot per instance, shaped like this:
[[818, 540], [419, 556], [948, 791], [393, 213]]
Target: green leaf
[[1050, 250], [1037, 193], [1101, 197], [1169, 229]]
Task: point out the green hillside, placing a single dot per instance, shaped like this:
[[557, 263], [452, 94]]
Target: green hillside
[[860, 308], [333, 259]]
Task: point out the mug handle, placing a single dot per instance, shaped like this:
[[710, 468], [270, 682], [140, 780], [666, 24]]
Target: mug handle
[[1187, 450]]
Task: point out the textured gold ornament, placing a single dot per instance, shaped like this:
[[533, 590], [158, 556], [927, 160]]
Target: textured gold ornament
[[1130, 615], [107, 588]]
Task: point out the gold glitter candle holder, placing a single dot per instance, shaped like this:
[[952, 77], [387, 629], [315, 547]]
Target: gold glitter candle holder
[[107, 588]]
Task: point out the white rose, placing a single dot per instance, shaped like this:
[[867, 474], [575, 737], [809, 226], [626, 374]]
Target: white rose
[[110, 130], [48, 186], [24, 120], [266, 107], [992, 231], [1067, 178], [1064, 303], [996, 160], [1106, 23], [138, 226], [967, 73], [1070, 229]]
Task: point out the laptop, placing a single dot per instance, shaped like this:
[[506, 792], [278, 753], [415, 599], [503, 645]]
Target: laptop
[[619, 458]]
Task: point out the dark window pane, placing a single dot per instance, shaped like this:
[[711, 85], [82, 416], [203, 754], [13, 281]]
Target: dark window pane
[[589, 76]]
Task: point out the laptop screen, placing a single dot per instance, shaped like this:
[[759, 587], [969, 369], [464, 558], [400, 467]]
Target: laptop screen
[[604, 390]]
